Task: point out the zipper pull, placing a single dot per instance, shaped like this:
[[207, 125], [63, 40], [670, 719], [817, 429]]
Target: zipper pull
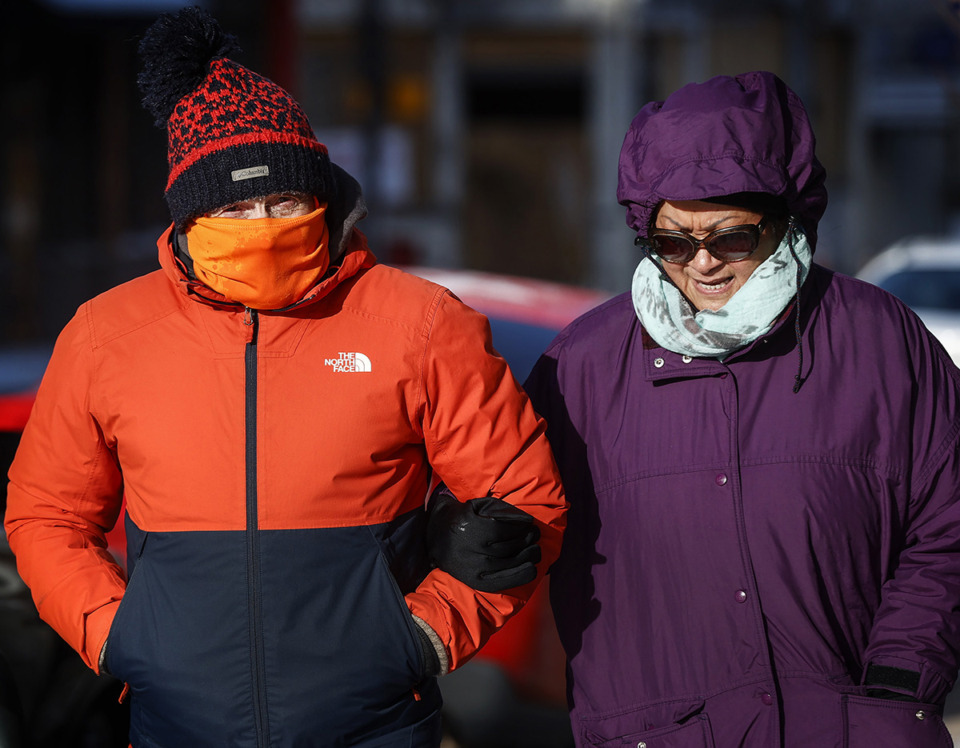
[[250, 322]]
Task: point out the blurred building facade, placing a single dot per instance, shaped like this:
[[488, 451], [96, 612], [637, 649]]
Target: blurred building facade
[[485, 132]]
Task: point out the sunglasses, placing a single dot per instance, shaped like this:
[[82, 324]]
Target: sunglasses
[[731, 244]]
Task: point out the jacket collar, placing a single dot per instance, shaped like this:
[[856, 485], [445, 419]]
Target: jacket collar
[[660, 364]]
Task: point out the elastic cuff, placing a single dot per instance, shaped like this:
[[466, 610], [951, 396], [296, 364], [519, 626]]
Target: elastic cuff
[[883, 693], [442, 662], [893, 679], [96, 632]]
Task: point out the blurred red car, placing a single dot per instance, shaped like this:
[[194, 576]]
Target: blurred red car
[[511, 694]]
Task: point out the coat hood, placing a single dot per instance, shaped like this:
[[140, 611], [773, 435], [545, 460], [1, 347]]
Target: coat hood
[[748, 133], [345, 208]]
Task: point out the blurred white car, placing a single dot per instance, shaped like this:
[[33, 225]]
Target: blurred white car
[[924, 273]]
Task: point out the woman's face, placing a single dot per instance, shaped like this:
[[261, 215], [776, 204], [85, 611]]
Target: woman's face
[[707, 282]]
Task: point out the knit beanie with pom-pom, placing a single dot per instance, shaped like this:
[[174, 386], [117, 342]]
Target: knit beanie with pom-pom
[[232, 135]]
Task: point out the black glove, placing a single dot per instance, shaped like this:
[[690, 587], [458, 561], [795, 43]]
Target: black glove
[[486, 543]]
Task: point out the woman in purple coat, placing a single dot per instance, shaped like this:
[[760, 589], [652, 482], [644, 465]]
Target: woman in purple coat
[[762, 459]]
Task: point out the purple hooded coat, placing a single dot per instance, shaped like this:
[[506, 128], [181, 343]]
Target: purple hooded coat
[[737, 554]]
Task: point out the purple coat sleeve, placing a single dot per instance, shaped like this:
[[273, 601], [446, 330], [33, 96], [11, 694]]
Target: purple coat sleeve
[[917, 626]]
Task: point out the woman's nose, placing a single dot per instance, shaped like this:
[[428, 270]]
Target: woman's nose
[[703, 261]]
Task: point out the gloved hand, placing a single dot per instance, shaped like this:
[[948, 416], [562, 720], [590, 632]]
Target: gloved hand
[[486, 543]]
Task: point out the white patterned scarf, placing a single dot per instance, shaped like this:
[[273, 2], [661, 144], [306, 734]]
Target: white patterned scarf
[[673, 323]]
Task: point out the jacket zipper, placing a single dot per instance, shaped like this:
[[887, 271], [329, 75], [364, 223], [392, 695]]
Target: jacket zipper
[[255, 601]]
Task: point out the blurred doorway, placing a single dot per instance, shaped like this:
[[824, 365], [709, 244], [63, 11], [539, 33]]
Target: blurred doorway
[[528, 178]]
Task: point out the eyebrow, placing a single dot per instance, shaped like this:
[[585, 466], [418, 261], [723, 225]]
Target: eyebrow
[[715, 226]]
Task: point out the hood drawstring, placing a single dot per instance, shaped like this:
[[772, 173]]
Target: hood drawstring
[[798, 379]]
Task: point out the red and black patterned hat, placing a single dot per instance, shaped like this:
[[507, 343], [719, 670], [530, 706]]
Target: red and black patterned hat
[[232, 135]]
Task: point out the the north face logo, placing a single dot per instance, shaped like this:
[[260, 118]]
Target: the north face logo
[[349, 362]]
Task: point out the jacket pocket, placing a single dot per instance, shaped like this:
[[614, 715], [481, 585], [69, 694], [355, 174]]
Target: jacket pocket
[[114, 662], [693, 733], [338, 634], [869, 722], [404, 619]]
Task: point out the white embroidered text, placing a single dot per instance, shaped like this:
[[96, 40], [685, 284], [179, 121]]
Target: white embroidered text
[[352, 362]]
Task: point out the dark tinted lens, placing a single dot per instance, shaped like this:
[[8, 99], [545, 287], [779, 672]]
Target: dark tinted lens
[[733, 246], [673, 248]]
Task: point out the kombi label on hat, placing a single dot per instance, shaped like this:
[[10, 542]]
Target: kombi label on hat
[[254, 171]]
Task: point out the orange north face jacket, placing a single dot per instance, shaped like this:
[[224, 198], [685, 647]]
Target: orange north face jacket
[[274, 467]]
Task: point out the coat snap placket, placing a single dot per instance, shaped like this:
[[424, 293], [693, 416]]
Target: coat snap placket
[[729, 479]]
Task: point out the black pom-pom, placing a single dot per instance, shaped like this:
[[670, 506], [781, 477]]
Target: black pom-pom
[[176, 51]]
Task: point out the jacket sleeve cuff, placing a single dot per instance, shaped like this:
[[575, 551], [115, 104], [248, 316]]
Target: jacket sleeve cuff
[[884, 681], [102, 662], [98, 625], [439, 649]]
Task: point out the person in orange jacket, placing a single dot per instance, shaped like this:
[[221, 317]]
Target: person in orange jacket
[[272, 406]]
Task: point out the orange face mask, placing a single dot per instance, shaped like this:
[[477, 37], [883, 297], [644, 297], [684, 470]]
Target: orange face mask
[[262, 263]]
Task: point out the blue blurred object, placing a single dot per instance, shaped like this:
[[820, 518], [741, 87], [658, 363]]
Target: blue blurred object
[[520, 343], [21, 367]]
